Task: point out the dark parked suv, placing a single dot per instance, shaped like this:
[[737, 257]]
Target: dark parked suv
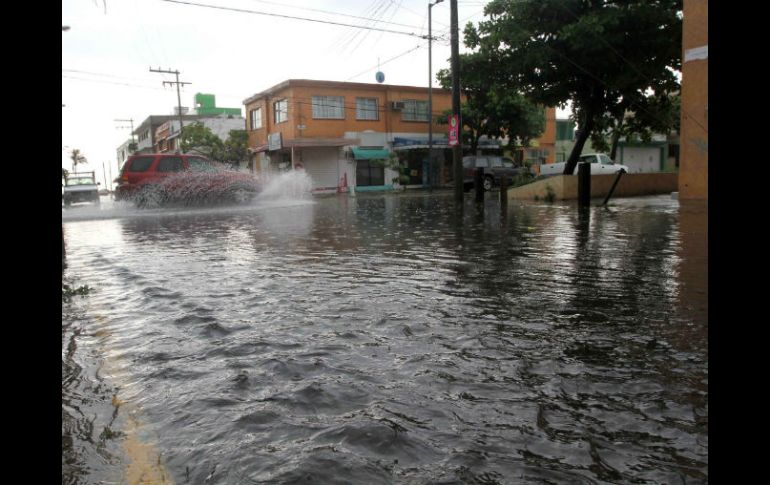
[[151, 180], [494, 167]]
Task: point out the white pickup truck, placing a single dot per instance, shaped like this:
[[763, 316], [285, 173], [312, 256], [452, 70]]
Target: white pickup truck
[[80, 187], [600, 164]]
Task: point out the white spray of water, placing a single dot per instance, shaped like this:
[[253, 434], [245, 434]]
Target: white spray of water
[[286, 187]]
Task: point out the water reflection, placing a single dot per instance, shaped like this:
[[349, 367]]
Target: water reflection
[[382, 339]]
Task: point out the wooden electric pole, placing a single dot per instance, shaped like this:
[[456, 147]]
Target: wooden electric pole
[[457, 150], [178, 99]]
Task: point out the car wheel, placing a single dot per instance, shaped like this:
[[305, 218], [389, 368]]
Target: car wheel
[[488, 183]]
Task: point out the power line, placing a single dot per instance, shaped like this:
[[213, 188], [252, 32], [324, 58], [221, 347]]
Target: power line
[[102, 74], [387, 61], [255, 12], [111, 82], [333, 13]]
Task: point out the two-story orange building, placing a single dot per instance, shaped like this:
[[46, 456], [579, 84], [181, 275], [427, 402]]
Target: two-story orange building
[[340, 132]]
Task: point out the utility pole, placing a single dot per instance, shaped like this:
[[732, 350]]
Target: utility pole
[[178, 99], [430, 96], [130, 120], [457, 150]]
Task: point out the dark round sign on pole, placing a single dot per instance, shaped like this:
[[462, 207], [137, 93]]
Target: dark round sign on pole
[[380, 76]]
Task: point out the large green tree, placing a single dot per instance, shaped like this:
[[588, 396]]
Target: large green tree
[[236, 148], [199, 138], [654, 114], [490, 109], [605, 56]]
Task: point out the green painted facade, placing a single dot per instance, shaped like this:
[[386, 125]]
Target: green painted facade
[[206, 104]]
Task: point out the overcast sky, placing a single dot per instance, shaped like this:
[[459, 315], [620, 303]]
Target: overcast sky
[[111, 45]]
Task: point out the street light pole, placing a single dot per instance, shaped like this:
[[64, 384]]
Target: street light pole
[[430, 95]]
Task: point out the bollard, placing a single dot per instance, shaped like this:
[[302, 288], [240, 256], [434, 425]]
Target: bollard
[[615, 183], [584, 184], [503, 193], [479, 182]]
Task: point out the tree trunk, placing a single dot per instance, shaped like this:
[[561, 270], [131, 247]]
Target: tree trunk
[[585, 131], [615, 138], [475, 136]]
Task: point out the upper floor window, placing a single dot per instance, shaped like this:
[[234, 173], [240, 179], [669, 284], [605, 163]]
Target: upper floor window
[[256, 118], [366, 109], [329, 107], [415, 110], [281, 111]]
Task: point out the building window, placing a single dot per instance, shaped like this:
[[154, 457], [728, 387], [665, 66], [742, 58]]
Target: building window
[[256, 118], [329, 107], [366, 109], [281, 111], [415, 110], [369, 172]]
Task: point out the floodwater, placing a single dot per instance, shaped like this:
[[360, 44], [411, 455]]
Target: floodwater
[[386, 338]]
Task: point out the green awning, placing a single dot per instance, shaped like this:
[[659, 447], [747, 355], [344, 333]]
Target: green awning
[[370, 154]]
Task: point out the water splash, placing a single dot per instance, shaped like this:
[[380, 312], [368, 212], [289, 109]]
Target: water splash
[[286, 187]]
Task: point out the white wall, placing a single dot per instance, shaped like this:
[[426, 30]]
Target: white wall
[[641, 159]]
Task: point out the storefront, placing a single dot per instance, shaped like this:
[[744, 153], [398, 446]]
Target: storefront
[[373, 171]]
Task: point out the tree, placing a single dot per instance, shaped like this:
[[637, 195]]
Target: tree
[[76, 158], [198, 137], [236, 147], [490, 110], [656, 114], [606, 56]]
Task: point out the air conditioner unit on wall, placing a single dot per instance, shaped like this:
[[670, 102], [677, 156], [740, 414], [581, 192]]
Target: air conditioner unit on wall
[[397, 105]]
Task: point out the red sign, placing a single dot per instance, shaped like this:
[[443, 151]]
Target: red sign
[[454, 129]]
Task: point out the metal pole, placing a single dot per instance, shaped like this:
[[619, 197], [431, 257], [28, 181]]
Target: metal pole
[[457, 150], [615, 183], [503, 193], [430, 94], [584, 184]]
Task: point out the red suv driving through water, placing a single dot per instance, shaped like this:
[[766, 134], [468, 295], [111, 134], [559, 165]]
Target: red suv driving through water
[[151, 180]]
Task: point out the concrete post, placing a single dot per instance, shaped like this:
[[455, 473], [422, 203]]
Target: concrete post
[[479, 183], [584, 184]]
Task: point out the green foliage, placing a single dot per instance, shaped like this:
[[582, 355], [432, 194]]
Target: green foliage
[[492, 109], [605, 57], [401, 168], [198, 137], [236, 147], [67, 292]]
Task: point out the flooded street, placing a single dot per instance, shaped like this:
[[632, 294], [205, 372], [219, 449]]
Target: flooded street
[[386, 338]]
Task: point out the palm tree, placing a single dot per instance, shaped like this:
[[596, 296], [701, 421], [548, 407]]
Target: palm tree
[[76, 157]]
